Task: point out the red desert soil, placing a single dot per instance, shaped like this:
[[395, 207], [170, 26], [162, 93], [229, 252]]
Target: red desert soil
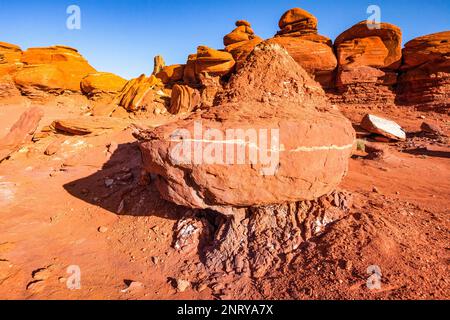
[[86, 206]]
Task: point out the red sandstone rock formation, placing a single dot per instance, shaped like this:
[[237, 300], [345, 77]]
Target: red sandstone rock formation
[[21, 132], [138, 93], [207, 60], [101, 83], [241, 42], [171, 74], [52, 69], [184, 99], [368, 63], [270, 92], [312, 51], [425, 72], [10, 62]]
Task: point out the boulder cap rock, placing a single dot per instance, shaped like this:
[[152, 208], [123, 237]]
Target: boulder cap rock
[[270, 92]]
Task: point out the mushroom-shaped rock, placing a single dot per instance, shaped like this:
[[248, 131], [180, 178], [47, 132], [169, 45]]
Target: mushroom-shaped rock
[[297, 20], [207, 60], [241, 42], [271, 137]]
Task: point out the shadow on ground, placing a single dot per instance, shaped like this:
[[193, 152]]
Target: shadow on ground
[[121, 188]]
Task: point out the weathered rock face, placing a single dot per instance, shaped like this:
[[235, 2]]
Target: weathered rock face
[[184, 99], [368, 60], [158, 64], [425, 73], [10, 58], [171, 74], [316, 58], [21, 132], [137, 93], [241, 42], [10, 62], [102, 83], [305, 155], [310, 50], [240, 245], [207, 60], [53, 68]]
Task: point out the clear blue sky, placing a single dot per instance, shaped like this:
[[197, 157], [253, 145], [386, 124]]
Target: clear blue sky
[[122, 36]]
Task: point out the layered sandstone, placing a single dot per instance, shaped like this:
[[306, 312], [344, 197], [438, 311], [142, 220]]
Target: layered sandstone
[[56, 68], [102, 83], [314, 52], [368, 61], [207, 60], [138, 93], [171, 74], [305, 157], [425, 72], [10, 58], [10, 62], [183, 99], [241, 42]]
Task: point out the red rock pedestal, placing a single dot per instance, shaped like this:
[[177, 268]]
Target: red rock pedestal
[[271, 137]]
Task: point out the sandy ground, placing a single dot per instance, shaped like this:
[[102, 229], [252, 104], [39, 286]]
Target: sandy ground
[[85, 206]]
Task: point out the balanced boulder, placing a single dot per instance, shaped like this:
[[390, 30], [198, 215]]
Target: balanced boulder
[[297, 21], [425, 73], [271, 137], [207, 60], [241, 42]]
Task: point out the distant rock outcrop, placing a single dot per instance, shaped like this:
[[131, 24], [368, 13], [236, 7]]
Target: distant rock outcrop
[[314, 52], [425, 72], [241, 42], [10, 58], [10, 62], [52, 69], [368, 60]]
